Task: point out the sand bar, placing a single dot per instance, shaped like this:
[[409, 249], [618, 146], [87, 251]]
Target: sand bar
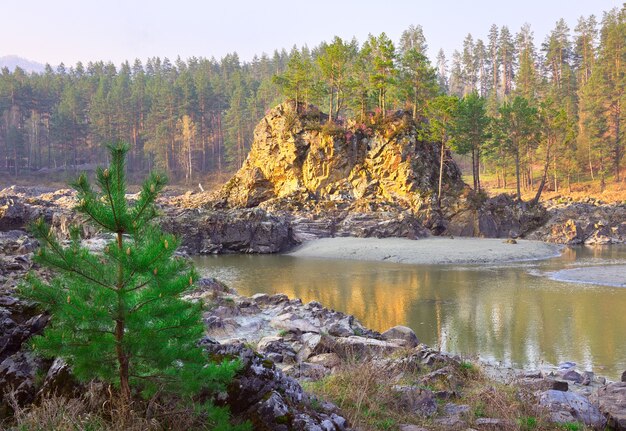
[[427, 251], [607, 275]]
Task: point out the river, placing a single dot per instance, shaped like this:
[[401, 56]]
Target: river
[[517, 314]]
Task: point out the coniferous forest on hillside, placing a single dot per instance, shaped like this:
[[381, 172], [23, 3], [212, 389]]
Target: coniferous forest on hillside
[[524, 110]]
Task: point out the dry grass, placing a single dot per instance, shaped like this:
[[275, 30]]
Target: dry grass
[[613, 191], [98, 410], [364, 393]]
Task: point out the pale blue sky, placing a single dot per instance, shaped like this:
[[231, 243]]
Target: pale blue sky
[[67, 31]]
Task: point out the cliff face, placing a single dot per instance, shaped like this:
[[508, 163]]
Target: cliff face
[[297, 157]]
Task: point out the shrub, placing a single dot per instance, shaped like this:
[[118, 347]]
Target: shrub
[[118, 316]]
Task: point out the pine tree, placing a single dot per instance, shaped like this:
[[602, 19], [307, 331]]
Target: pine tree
[[417, 80], [470, 65], [526, 79], [471, 130], [442, 111], [518, 124], [334, 60], [442, 71], [506, 57], [118, 316], [381, 52], [494, 59]]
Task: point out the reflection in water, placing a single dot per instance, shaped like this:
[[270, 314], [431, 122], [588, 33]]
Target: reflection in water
[[506, 313]]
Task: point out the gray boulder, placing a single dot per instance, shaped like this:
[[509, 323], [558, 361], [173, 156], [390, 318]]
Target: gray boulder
[[410, 427], [611, 400], [341, 328], [328, 360], [421, 402], [59, 381], [572, 376], [17, 376], [401, 333], [266, 396], [229, 231], [292, 322], [360, 347], [566, 407]]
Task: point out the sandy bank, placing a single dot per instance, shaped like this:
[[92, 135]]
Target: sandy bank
[[608, 275], [427, 251]]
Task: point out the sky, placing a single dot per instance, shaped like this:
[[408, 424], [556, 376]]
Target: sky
[[68, 31]]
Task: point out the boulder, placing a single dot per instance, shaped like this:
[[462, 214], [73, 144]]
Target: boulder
[[564, 407], [494, 424], [341, 328], [572, 376], [542, 384], [311, 344], [611, 400], [15, 214], [59, 381], [328, 360], [229, 231], [267, 397], [401, 333], [497, 217], [413, 400], [588, 221], [409, 427], [277, 349], [291, 322], [360, 347], [17, 375], [307, 371]]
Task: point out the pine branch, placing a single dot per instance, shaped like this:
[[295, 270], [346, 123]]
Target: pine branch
[[108, 190], [141, 304], [75, 271], [134, 271], [93, 218], [176, 327], [142, 209], [144, 284]]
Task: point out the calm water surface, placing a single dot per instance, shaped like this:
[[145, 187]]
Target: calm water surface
[[510, 313]]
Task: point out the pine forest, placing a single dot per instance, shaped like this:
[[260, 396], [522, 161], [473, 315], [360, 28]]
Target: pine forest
[[528, 112]]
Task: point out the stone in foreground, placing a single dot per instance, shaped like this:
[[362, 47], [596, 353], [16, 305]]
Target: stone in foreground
[[407, 335], [611, 400], [565, 407]]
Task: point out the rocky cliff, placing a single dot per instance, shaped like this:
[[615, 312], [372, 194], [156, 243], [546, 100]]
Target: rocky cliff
[[377, 178], [301, 163]]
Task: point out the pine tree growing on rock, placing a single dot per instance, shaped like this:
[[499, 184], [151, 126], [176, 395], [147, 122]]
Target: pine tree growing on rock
[[118, 315]]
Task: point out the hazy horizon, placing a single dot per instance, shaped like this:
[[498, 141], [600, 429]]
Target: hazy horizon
[[67, 31]]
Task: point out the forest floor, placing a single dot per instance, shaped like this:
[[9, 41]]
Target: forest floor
[[614, 192]]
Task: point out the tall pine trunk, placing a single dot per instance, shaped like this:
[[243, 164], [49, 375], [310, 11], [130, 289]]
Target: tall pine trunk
[[517, 175], [120, 321]]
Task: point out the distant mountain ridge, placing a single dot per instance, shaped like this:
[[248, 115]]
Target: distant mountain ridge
[[13, 61]]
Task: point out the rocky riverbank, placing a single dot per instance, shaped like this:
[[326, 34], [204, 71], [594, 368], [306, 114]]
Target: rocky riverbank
[[312, 343], [265, 229], [588, 222], [286, 346]]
